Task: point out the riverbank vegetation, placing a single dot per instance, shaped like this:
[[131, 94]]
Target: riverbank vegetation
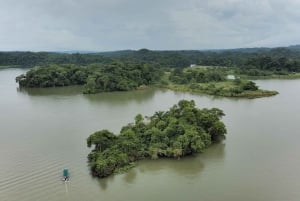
[[127, 76], [195, 71], [213, 81], [180, 131]]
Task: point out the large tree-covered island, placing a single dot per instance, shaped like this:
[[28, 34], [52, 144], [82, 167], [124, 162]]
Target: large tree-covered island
[[125, 76], [116, 76], [180, 131]]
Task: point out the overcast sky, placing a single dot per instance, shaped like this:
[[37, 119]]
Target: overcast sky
[[102, 25]]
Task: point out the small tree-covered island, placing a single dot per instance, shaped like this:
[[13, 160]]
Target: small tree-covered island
[[182, 130]]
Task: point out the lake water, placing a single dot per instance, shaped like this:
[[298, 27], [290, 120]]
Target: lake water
[[43, 131]]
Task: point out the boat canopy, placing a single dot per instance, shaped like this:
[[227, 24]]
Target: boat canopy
[[66, 172]]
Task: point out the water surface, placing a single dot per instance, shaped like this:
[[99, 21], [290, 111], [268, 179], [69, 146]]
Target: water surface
[[43, 131]]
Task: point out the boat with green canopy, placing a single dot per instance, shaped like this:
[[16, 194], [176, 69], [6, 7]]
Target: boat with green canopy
[[66, 175]]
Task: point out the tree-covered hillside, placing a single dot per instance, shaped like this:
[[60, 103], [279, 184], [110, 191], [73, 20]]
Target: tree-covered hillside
[[262, 59]]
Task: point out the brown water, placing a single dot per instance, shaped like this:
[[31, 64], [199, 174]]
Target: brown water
[[43, 131]]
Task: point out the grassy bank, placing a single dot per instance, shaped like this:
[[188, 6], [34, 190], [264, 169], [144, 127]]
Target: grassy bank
[[225, 89], [273, 76]]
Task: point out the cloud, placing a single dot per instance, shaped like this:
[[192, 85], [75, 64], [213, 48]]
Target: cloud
[[132, 24]]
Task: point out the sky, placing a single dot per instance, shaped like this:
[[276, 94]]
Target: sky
[[107, 25]]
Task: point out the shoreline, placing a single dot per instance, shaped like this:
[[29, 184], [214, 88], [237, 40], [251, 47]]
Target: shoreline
[[245, 94]]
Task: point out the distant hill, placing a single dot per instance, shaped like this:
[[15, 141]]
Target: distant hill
[[256, 49], [294, 47], [126, 52], [161, 58]]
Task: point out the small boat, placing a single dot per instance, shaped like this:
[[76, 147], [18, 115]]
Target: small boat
[[66, 175]]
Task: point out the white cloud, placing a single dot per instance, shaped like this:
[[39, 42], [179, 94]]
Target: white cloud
[[133, 24]]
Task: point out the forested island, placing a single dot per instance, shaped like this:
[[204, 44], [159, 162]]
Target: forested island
[[182, 130], [195, 71], [127, 76], [213, 81], [117, 76]]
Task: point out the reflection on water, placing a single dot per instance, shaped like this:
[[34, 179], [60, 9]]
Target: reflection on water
[[121, 97], [99, 98], [130, 176], [189, 167], [104, 182], [51, 91]]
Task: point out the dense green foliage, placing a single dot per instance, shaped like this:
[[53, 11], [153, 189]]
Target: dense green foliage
[[53, 76], [255, 61], [212, 81], [127, 70], [180, 131], [117, 76], [199, 75], [30, 59], [121, 76]]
